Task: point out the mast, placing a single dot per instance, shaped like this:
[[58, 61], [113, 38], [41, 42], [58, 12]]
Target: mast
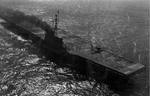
[[56, 21]]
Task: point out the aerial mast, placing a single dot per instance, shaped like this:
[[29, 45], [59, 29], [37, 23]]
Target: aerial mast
[[56, 20]]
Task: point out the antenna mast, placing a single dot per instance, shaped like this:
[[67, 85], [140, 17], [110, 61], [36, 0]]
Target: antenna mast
[[56, 20]]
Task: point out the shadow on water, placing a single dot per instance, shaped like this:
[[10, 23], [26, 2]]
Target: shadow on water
[[82, 68]]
